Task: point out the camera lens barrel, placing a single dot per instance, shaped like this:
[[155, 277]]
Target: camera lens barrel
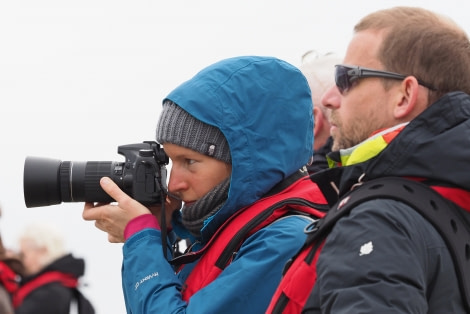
[[51, 181], [80, 180]]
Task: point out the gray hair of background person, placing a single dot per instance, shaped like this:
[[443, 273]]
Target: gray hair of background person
[[43, 236], [319, 71]]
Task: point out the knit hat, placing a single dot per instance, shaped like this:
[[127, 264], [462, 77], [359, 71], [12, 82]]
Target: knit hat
[[178, 127]]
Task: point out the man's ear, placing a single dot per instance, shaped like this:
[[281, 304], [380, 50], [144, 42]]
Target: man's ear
[[407, 99]]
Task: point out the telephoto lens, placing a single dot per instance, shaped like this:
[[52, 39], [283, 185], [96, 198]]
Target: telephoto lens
[[51, 181]]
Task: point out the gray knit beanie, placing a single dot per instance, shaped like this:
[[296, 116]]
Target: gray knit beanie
[[178, 127]]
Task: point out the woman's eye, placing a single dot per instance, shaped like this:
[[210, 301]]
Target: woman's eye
[[190, 161]]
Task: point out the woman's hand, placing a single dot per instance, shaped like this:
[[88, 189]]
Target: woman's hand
[[113, 218]]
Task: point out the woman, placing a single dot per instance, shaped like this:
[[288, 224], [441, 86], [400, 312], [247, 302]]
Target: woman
[[237, 134]]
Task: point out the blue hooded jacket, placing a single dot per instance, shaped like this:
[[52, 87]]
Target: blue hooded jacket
[[263, 107]]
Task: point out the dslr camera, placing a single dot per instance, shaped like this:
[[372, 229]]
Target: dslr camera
[[142, 176]]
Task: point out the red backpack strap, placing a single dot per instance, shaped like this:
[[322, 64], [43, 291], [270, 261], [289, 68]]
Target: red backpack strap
[[297, 283], [298, 197], [66, 280]]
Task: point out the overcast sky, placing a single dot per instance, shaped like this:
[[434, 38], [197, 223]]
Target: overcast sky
[[80, 78]]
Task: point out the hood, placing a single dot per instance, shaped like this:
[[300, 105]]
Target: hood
[[263, 107]]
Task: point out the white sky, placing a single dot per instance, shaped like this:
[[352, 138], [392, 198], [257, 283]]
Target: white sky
[[80, 78]]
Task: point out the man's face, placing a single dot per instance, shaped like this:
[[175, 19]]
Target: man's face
[[366, 107]]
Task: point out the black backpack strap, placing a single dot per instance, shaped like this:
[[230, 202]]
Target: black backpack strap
[[80, 304], [446, 217]]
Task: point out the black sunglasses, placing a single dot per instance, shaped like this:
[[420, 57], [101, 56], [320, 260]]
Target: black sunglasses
[[346, 75]]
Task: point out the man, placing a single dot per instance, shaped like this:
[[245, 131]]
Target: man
[[318, 69], [400, 108]]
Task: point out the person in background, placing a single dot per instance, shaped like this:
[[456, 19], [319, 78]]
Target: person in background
[[319, 71], [51, 274], [239, 134], [11, 269], [400, 108]]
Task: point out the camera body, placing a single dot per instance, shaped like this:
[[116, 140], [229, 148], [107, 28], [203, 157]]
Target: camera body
[[142, 176]]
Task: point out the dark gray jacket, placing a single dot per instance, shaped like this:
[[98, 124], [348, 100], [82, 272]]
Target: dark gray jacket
[[384, 257]]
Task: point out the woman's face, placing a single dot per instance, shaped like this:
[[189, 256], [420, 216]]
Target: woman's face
[[193, 174], [31, 257]]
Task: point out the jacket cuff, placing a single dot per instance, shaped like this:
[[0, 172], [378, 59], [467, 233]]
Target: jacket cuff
[[139, 223]]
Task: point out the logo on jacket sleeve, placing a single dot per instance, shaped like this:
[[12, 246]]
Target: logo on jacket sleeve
[[366, 248], [148, 277]]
